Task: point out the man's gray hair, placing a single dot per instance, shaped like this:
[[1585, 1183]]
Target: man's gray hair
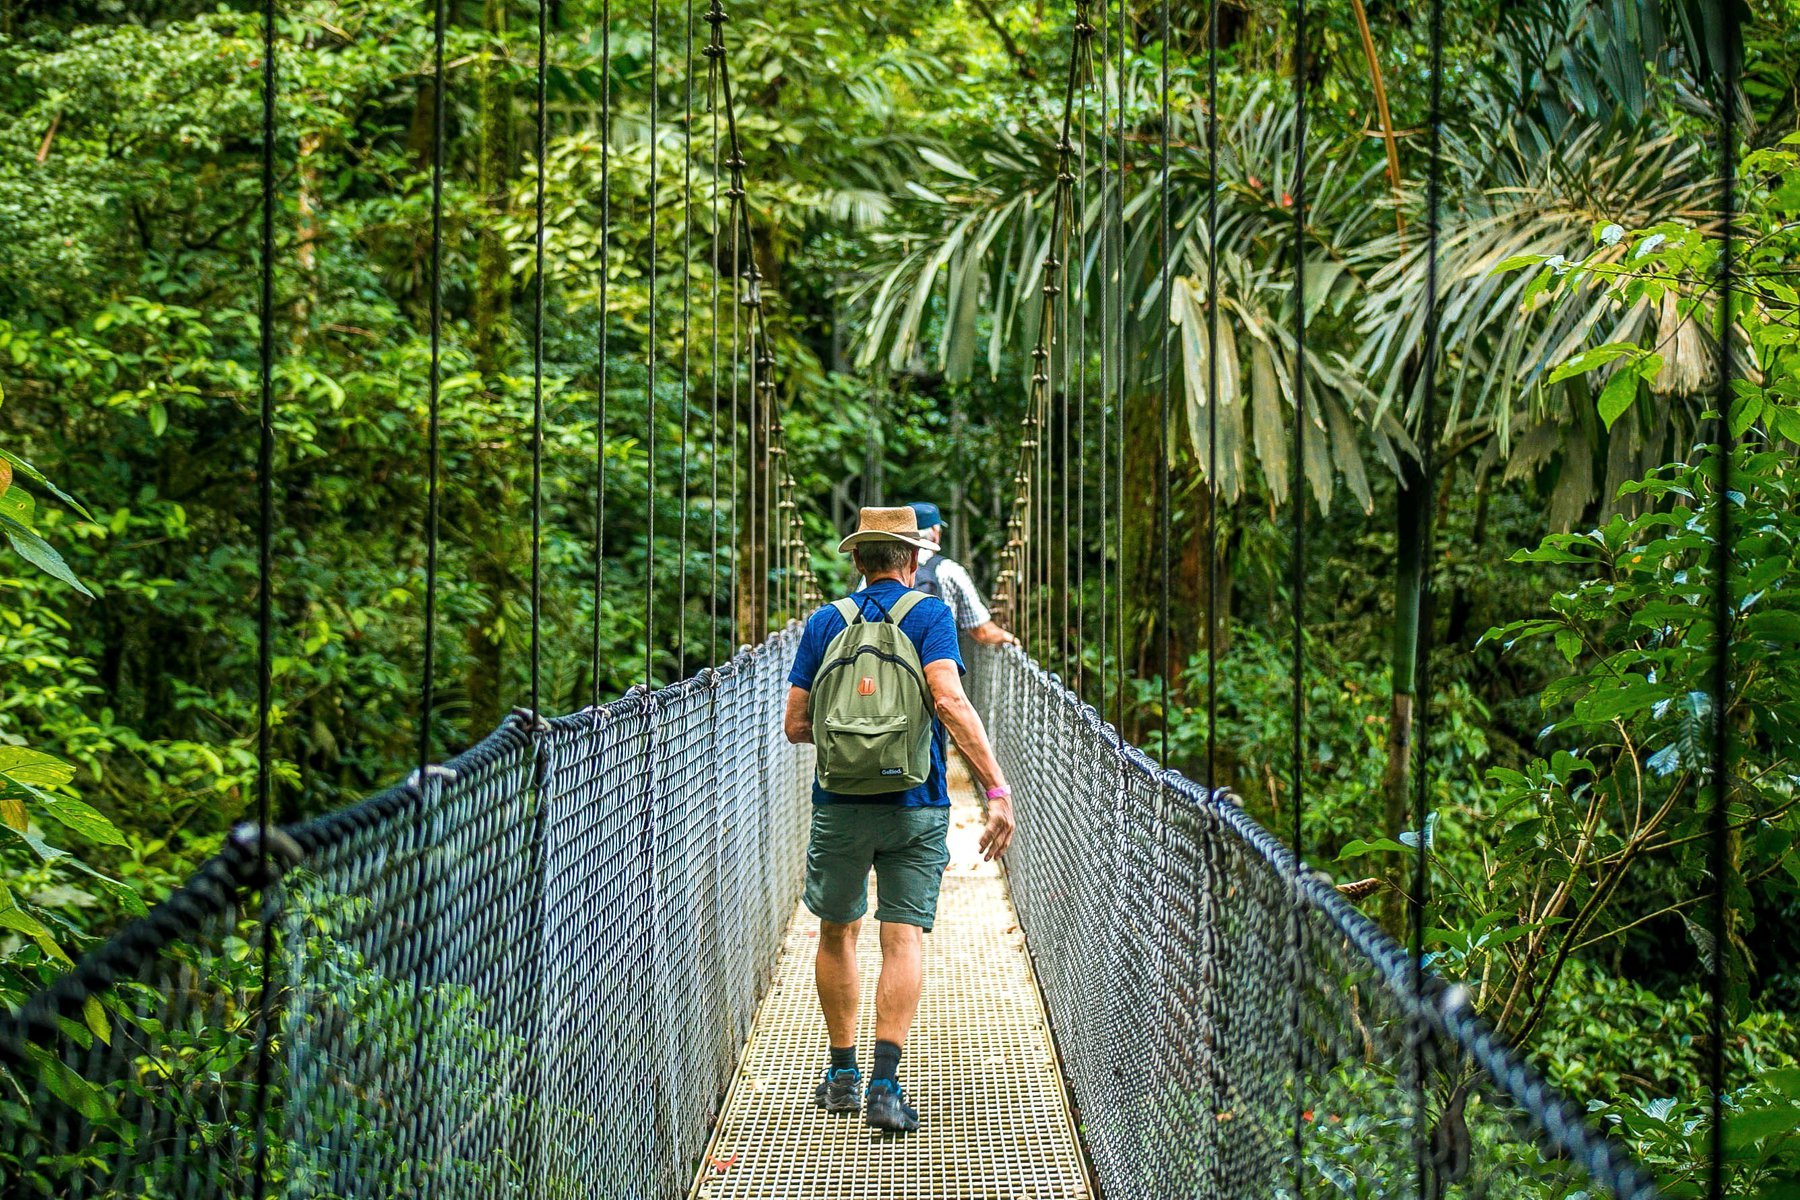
[[882, 558]]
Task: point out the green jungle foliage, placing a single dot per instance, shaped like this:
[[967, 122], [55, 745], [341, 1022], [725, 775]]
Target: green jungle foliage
[[901, 160]]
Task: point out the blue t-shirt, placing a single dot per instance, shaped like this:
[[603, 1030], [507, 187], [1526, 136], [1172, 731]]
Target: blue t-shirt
[[933, 633]]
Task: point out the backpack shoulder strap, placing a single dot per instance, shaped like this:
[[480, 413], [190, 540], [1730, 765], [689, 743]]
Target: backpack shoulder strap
[[904, 605], [848, 609]]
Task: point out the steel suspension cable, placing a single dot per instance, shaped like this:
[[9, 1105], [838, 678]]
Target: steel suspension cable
[[737, 374], [1066, 396], [687, 317], [1040, 474], [776, 493], [537, 365], [650, 368], [1418, 898], [1215, 1084], [712, 557], [715, 17], [1071, 366], [600, 424], [1107, 286], [1027, 571], [434, 387], [1119, 462], [434, 390], [1040, 484], [1212, 394], [1080, 204], [265, 586], [1297, 499], [1718, 819], [1081, 403], [1164, 522]]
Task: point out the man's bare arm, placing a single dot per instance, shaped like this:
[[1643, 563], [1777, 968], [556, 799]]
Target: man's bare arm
[[989, 633], [797, 722], [964, 723]]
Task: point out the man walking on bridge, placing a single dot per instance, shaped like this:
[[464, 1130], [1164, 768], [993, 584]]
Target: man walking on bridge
[[942, 576], [876, 682]]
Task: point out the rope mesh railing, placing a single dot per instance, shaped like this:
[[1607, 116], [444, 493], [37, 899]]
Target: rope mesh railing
[[1160, 919], [527, 973]]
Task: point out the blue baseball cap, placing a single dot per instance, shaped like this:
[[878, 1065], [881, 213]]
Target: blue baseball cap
[[928, 514]]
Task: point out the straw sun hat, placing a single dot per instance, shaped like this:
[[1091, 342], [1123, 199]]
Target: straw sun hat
[[887, 525]]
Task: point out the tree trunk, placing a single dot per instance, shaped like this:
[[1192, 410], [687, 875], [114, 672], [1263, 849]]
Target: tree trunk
[[493, 280], [1412, 504]]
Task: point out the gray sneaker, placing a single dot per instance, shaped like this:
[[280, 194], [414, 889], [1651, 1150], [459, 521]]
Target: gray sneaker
[[888, 1109], [840, 1091]]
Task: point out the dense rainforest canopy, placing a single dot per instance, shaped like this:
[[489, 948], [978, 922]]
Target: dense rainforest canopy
[[900, 165]]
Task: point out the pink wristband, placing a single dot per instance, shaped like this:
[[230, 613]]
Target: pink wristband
[[1001, 792]]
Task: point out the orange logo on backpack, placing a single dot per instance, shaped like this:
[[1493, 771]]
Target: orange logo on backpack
[[866, 686]]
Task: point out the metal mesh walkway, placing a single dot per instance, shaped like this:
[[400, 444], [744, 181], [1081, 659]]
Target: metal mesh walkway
[[979, 1065]]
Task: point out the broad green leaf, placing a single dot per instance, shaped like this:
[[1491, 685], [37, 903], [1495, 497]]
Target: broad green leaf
[[1785, 421], [1517, 261], [1549, 554], [36, 476], [1744, 411], [1780, 625], [945, 163], [1360, 846], [44, 851], [1746, 1128], [19, 921], [1617, 395], [61, 1081], [1267, 427], [1619, 700], [94, 1013], [84, 820], [34, 767], [123, 894], [1587, 360], [16, 504], [39, 553]]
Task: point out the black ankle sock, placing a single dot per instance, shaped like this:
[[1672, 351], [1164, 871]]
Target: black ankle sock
[[887, 1061], [843, 1057]]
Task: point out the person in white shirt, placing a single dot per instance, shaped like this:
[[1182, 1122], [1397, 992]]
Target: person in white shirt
[[942, 576]]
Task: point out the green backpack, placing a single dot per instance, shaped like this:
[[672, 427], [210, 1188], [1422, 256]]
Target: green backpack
[[871, 711]]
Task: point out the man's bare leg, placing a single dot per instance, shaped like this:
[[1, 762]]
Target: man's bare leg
[[902, 973], [834, 971], [896, 1003]]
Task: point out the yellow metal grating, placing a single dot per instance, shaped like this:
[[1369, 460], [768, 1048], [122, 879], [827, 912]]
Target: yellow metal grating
[[979, 1066]]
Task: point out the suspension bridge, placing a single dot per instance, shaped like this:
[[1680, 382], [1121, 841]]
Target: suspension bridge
[[569, 961]]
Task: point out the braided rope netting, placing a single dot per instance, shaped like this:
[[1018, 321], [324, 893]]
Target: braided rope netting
[[1161, 921], [529, 977]]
